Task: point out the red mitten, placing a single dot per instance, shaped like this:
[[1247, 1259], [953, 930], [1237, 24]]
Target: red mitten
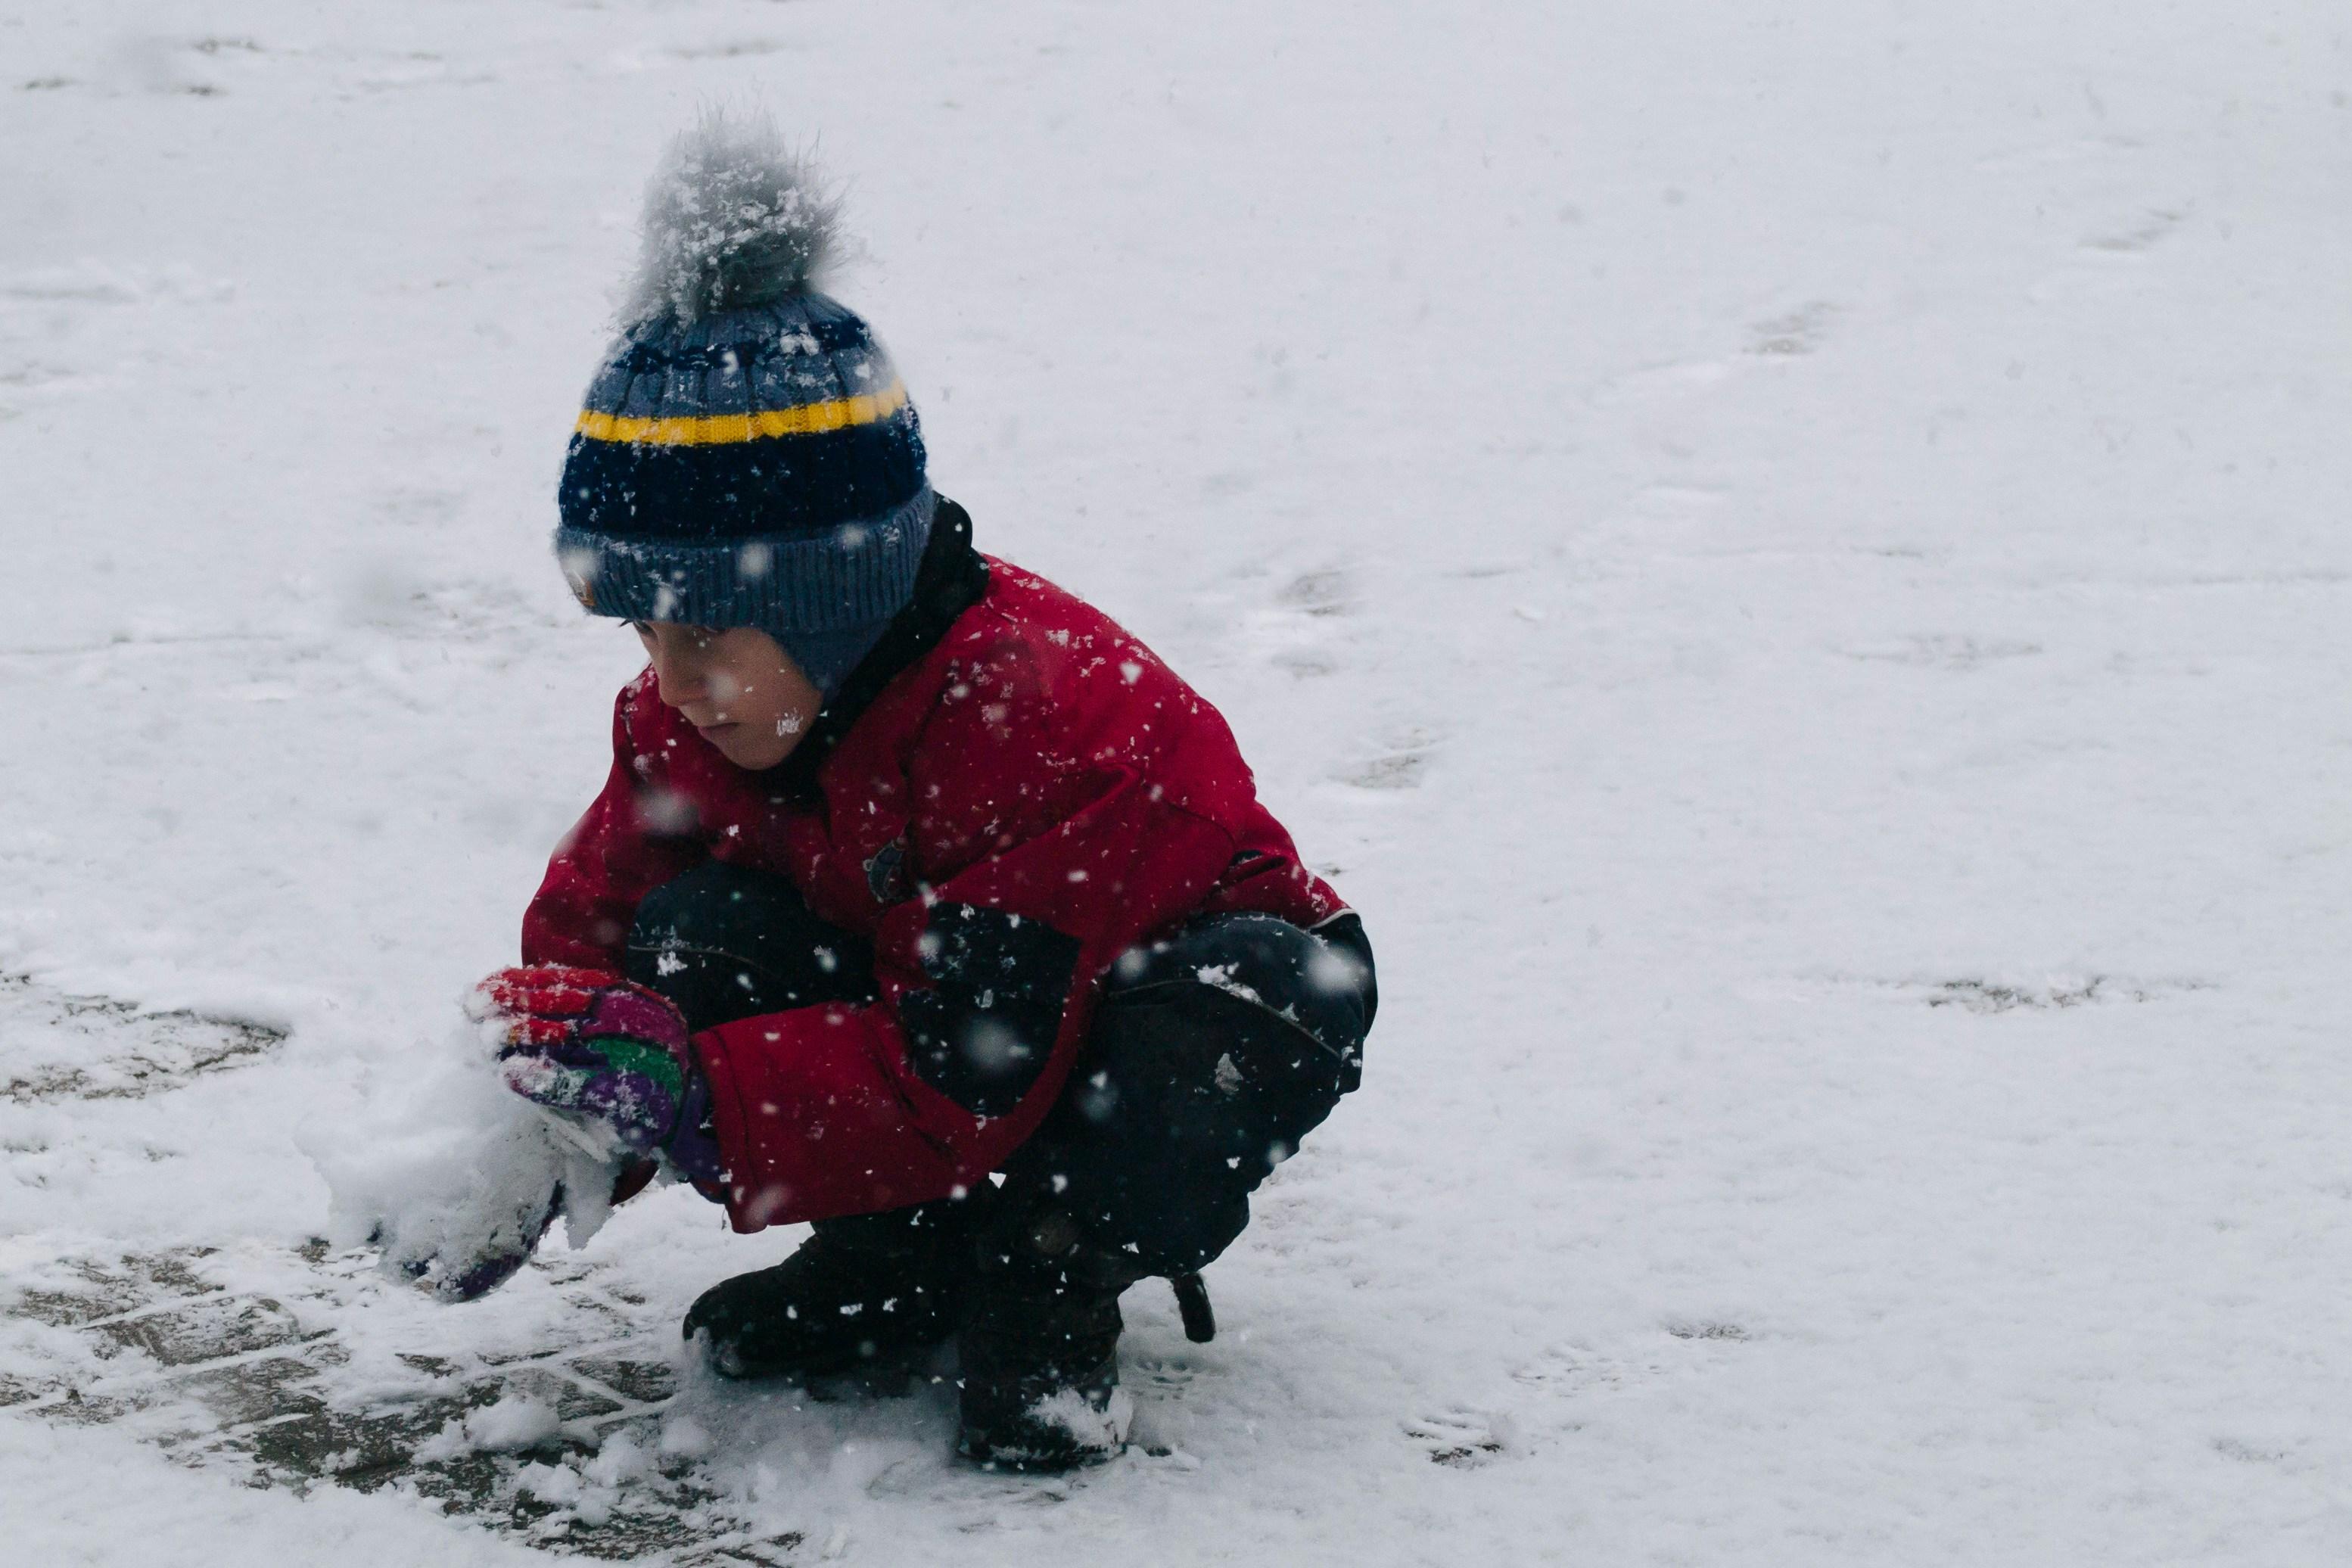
[[601, 1051]]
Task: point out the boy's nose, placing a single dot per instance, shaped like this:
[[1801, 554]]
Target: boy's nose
[[679, 681]]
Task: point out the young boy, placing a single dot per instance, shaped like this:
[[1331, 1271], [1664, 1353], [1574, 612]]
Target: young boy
[[922, 903]]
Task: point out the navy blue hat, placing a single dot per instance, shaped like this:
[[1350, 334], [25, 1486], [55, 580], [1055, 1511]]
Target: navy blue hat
[[747, 457]]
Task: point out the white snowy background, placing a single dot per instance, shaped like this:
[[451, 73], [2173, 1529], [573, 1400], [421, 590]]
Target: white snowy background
[[1792, 559]]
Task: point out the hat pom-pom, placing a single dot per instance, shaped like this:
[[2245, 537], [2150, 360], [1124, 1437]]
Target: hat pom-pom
[[734, 219]]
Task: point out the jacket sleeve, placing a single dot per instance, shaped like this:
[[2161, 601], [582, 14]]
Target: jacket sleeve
[[1061, 831], [609, 861]]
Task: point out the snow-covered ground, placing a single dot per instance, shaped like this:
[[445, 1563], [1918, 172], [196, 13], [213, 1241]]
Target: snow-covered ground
[[1793, 559]]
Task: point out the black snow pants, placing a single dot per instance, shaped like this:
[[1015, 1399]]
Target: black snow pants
[[1210, 1054]]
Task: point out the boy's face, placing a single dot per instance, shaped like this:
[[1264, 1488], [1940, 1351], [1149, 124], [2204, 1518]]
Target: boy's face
[[735, 687]]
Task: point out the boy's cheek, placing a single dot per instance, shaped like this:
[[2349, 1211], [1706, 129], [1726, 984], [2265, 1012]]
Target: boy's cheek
[[753, 748]]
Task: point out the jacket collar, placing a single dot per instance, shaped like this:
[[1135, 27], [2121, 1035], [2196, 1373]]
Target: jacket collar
[[952, 578]]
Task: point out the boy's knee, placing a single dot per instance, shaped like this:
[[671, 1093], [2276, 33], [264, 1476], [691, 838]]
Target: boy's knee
[[1214, 1054], [1319, 981]]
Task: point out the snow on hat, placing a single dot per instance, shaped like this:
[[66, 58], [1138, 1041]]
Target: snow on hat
[[747, 455]]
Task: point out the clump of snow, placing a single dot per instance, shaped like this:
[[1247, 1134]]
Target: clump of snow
[[1229, 1077], [684, 1437], [621, 1460], [557, 1484], [516, 1423], [1225, 977], [455, 1177], [1089, 1428]]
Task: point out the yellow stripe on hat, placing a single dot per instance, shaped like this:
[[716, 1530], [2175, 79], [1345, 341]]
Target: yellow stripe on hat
[[724, 429]]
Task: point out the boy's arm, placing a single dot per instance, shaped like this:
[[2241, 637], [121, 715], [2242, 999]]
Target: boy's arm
[[604, 867]]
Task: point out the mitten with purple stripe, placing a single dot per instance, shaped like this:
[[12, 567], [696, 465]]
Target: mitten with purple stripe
[[609, 1057]]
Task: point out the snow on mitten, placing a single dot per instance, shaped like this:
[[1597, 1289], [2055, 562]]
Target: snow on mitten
[[487, 1240], [606, 1055]]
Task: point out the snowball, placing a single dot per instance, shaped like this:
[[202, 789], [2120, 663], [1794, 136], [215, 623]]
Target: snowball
[[686, 1439], [456, 1178], [515, 1422]]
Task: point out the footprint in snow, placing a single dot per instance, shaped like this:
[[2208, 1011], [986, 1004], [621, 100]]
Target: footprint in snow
[[1707, 1329], [1400, 766], [1295, 625], [1943, 651], [1327, 592], [1799, 332], [1464, 1438], [2143, 233]]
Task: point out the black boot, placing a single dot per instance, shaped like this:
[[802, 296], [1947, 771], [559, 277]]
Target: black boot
[[863, 1293], [1039, 1353]]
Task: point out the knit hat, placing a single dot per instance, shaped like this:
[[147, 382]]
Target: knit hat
[[747, 455]]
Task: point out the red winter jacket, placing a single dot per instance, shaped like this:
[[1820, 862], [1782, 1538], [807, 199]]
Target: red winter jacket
[[1035, 761]]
